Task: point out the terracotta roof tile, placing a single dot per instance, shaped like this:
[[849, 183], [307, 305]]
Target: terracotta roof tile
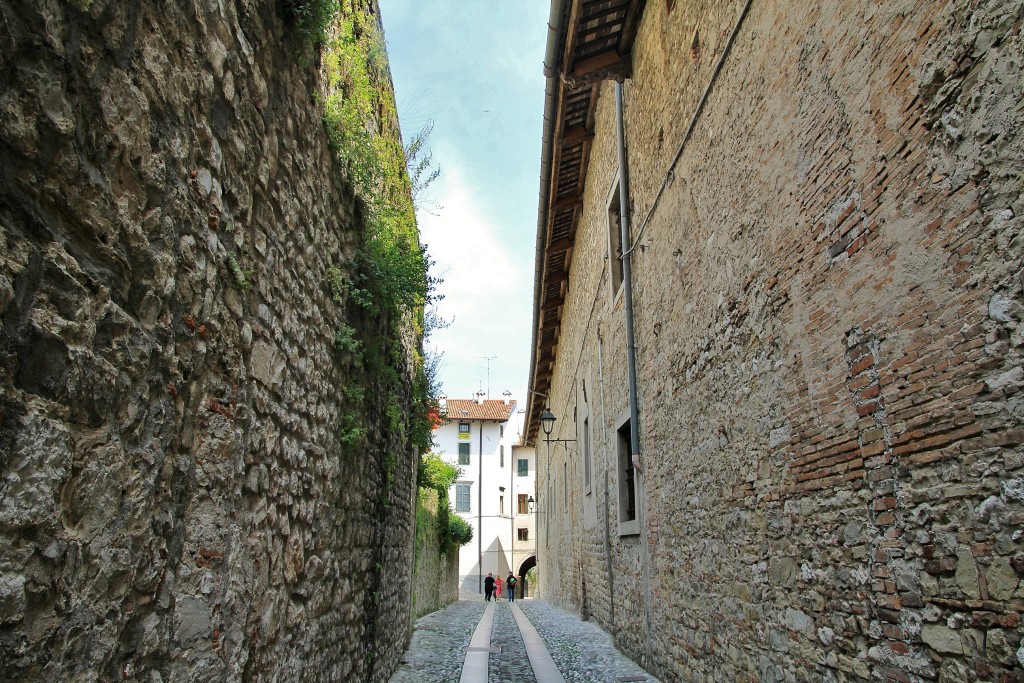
[[468, 409]]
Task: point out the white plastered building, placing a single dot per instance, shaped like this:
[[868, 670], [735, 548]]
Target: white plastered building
[[495, 484]]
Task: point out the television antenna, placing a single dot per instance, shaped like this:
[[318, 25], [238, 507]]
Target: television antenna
[[488, 359]]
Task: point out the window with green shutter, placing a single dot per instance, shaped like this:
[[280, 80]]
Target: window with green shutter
[[462, 498]]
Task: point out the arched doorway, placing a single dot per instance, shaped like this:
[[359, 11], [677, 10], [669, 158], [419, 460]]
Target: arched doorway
[[523, 585]]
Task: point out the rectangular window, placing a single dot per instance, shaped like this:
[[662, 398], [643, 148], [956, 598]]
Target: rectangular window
[[524, 467], [615, 238], [463, 428], [501, 505], [626, 481], [551, 501], [522, 504], [501, 450], [524, 534], [463, 453], [462, 497], [565, 485], [586, 455]]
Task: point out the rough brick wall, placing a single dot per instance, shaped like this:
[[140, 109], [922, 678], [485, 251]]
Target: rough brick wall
[[828, 307], [175, 503]]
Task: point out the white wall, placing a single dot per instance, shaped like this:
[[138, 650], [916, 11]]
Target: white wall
[[494, 486]]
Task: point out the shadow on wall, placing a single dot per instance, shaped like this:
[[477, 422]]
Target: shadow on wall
[[495, 561]]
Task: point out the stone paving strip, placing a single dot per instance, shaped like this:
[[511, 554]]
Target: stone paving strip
[[478, 658], [440, 643], [540, 660], [522, 635], [583, 652]]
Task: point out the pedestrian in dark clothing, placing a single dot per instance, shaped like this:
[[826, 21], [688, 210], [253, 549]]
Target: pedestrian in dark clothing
[[510, 583], [488, 586]]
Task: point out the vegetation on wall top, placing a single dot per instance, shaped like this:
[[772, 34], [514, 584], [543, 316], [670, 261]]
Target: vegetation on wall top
[[434, 473]]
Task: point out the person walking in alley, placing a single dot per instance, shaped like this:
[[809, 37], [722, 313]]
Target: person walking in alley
[[497, 589], [489, 586], [511, 583]]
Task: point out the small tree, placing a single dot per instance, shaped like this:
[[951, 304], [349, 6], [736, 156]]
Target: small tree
[[419, 160], [459, 530], [435, 473]]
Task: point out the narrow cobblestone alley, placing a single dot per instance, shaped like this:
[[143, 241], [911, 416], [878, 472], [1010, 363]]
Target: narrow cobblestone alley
[[579, 650]]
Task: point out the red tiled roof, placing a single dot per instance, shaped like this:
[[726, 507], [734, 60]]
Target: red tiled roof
[[468, 409]]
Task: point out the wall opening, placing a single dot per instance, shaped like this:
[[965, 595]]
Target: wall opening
[[586, 455], [615, 239], [626, 477], [565, 485]]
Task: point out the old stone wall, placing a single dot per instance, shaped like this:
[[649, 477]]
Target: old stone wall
[[435, 580], [828, 306], [175, 503]]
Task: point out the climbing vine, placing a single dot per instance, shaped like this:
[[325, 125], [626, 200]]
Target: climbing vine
[[311, 19], [389, 276]]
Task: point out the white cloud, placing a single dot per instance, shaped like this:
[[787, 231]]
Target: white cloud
[[474, 68], [487, 295]]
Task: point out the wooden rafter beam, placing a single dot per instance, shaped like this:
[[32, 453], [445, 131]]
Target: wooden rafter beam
[[576, 135], [551, 304], [599, 62], [566, 201], [558, 245]]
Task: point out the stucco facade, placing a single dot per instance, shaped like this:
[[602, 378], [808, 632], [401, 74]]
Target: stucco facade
[[486, 493], [827, 294]]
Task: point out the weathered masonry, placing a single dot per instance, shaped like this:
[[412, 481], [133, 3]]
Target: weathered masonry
[[175, 501], [820, 473]]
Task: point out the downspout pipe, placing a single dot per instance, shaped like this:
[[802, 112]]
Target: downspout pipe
[[607, 468], [480, 509], [634, 409], [627, 278], [552, 56], [512, 509]]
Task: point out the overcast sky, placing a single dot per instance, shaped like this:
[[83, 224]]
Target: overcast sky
[[474, 67]]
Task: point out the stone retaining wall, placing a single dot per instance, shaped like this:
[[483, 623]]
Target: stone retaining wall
[[435, 582], [175, 503]]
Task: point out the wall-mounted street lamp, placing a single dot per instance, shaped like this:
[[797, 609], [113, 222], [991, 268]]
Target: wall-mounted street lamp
[[547, 423], [531, 503]]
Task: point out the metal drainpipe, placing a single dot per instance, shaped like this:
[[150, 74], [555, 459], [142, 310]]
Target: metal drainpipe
[[634, 410], [480, 510], [607, 468], [627, 278], [513, 511]]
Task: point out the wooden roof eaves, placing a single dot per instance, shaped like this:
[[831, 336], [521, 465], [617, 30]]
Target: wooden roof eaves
[[572, 77]]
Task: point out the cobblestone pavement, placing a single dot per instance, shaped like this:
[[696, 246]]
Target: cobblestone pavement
[[510, 663], [582, 651], [439, 644]]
